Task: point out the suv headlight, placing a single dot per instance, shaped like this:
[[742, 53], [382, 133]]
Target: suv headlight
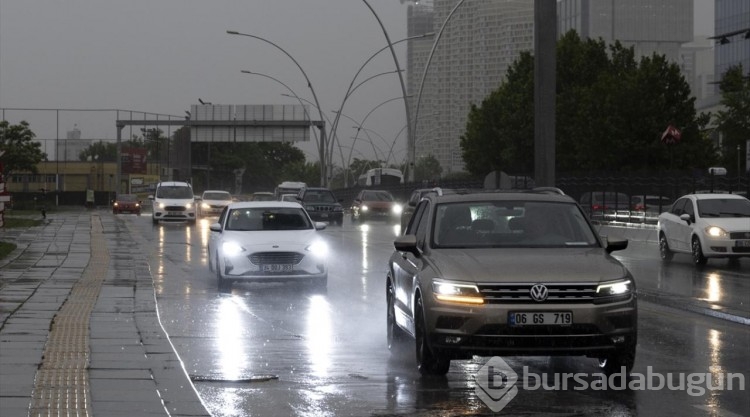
[[397, 209], [189, 206], [614, 288], [456, 292], [715, 231], [161, 205], [232, 248]]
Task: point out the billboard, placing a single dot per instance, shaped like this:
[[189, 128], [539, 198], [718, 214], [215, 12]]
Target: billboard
[[133, 160], [250, 123]]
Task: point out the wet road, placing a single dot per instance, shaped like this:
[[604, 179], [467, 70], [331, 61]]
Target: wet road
[[285, 349]]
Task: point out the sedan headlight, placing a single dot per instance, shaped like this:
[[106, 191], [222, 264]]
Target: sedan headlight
[[205, 206], [318, 248], [116, 204], [456, 292], [397, 209], [232, 248], [614, 288], [715, 231], [364, 208]]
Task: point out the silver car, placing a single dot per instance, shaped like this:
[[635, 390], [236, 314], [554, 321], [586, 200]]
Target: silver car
[[508, 273]]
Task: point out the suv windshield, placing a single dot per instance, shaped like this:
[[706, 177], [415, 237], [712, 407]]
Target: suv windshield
[[377, 196], [491, 224], [171, 191], [319, 196]]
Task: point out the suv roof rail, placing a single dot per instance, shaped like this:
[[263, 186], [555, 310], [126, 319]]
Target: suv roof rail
[[549, 190]]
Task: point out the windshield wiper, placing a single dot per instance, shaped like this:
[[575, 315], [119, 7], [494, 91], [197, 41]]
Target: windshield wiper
[[709, 214], [735, 214]]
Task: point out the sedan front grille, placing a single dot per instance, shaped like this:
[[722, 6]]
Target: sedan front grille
[[266, 258], [739, 235], [517, 293]]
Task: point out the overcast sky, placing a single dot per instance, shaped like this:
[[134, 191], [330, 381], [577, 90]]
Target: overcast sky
[[160, 56]]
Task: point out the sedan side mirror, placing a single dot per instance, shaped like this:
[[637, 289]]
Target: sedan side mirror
[[215, 227], [320, 225], [686, 218]]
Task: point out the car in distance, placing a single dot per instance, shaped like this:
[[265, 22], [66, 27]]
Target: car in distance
[[289, 197], [212, 202], [126, 203], [706, 226], [375, 204], [321, 205], [605, 205], [263, 196], [173, 200], [267, 241], [508, 273], [408, 208]]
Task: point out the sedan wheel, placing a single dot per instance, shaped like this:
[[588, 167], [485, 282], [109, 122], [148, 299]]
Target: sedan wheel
[[664, 251], [223, 284], [428, 362], [698, 257]]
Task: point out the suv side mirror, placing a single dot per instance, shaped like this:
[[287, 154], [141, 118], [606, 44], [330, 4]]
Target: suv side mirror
[[407, 243], [615, 244]]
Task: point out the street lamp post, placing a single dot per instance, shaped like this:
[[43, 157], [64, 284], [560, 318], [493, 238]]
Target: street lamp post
[[322, 150]]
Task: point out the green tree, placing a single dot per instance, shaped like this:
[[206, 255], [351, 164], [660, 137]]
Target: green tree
[[19, 151], [99, 151], [611, 112], [427, 168], [734, 120]]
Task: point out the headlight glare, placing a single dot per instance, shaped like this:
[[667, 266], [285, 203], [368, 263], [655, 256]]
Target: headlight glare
[[364, 208], [161, 205], [189, 206], [205, 206], [318, 248], [456, 292], [232, 248], [397, 209], [715, 231], [614, 288]]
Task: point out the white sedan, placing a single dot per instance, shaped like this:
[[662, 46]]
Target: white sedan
[[267, 241], [706, 226]]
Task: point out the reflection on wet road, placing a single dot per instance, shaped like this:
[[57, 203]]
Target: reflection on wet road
[[289, 349]]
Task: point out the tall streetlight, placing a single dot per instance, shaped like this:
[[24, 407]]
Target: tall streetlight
[[323, 164], [398, 67], [351, 88], [293, 94]]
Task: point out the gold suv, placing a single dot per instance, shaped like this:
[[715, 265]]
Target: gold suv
[[508, 273]]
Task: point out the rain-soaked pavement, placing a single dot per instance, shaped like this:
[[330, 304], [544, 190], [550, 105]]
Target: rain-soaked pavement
[[286, 349]]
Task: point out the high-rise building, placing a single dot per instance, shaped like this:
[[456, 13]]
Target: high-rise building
[[732, 16], [649, 26], [479, 42], [70, 148]]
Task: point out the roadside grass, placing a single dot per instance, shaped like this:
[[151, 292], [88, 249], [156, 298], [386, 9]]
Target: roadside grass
[[6, 248], [21, 222]]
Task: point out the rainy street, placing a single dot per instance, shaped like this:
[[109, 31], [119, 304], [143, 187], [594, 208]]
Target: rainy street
[[290, 349]]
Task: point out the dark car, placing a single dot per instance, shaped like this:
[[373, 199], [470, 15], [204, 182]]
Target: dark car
[[321, 205], [408, 208], [508, 273], [126, 203], [376, 204]]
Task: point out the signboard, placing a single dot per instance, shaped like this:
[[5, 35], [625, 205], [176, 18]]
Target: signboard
[[671, 136], [133, 160], [250, 123]]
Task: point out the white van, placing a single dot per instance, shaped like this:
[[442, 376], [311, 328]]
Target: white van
[[173, 200]]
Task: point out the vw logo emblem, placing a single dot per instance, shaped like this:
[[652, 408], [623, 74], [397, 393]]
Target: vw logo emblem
[[539, 292]]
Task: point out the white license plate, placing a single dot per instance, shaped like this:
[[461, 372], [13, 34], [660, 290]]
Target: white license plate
[[559, 318], [743, 243], [278, 268]]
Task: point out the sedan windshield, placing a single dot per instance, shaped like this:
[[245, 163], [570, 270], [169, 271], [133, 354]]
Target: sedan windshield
[[127, 197], [377, 196], [217, 196], [267, 218], [485, 224], [724, 207]]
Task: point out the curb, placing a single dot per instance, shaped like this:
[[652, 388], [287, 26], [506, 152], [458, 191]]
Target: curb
[[686, 304]]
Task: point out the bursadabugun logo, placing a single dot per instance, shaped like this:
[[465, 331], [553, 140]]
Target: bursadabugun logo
[[496, 384]]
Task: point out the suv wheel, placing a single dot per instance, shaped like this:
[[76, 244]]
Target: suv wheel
[[664, 251], [428, 362], [396, 336], [624, 356], [698, 258]]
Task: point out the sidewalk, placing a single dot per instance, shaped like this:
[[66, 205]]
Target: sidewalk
[[80, 333], [79, 330]]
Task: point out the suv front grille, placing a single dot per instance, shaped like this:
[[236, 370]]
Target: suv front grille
[[174, 208], [518, 293], [261, 258], [321, 208]]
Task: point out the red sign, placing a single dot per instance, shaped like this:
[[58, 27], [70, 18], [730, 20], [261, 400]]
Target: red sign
[[133, 161], [671, 136]]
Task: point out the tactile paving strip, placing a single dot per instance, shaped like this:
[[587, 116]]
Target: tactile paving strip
[[61, 385]]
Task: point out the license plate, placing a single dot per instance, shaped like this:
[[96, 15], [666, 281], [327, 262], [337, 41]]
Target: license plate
[[278, 268], [559, 318], [174, 213], [323, 215], [743, 243]]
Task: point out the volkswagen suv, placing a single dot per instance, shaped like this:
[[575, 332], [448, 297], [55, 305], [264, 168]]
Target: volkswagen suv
[[508, 273]]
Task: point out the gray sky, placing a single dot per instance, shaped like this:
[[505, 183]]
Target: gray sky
[[160, 56]]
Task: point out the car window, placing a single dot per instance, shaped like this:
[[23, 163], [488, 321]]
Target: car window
[[323, 196], [414, 221], [223, 216], [511, 224], [723, 207], [171, 191], [217, 196], [127, 197], [421, 226], [679, 207], [689, 208], [377, 196], [267, 218]]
